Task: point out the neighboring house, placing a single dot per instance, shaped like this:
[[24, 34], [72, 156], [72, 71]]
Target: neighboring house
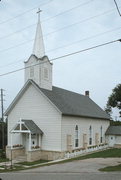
[[113, 135], [45, 122]]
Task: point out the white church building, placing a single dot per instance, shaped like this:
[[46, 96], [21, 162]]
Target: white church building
[[47, 122]]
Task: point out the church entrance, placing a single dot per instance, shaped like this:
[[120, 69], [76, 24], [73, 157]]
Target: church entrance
[[29, 135]]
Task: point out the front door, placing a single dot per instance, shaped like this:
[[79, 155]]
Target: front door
[[34, 140]]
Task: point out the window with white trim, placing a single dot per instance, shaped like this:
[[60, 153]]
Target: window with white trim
[[76, 137], [101, 134], [90, 135]]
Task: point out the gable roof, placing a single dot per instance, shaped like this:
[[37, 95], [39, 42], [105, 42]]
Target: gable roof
[[32, 127], [113, 130], [74, 104], [69, 103]]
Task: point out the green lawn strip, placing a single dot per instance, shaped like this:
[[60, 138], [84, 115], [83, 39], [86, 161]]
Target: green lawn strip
[[111, 168], [22, 166], [3, 160], [113, 152], [14, 168], [2, 156], [33, 163]]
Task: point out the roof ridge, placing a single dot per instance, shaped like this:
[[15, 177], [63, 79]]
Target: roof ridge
[[68, 90]]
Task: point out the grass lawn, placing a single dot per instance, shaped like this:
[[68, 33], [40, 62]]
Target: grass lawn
[[2, 156], [3, 159], [111, 168], [33, 163], [109, 153]]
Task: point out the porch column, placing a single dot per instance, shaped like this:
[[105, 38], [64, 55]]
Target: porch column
[[39, 140], [11, 141], [21, 139], [29, 141]]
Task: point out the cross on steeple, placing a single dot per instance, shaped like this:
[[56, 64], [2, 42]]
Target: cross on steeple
[[39, 11]]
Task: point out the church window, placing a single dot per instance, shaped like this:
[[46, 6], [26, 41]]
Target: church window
[[76, 137], [31, 72], [46, 75], [90, 135], [101, 138]]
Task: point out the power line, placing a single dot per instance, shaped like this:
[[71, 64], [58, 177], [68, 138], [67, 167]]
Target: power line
[[14, 62], [84, 20], [117, 7], [60, 57], [21, 14], [68, 10], [48, 34], [18, 31], [67, 45], [87, 38]]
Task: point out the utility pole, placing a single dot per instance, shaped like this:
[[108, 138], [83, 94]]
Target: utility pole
[[2, 119]]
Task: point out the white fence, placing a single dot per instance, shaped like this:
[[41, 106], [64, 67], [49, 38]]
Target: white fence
[[78, 152]]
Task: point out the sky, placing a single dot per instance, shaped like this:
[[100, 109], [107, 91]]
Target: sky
[[67, 26]]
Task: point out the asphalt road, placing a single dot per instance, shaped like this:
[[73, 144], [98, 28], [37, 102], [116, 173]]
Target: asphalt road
[[87, 169], [61, 176]]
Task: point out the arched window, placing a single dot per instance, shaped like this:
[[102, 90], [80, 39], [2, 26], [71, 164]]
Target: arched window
[[90, 135], [76, 137], [101, 134]]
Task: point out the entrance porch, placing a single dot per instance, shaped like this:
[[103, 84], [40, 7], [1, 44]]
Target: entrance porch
[[29, 142]]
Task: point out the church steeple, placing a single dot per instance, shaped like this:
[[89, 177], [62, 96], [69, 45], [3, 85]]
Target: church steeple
[[41, 73], [38, 49]]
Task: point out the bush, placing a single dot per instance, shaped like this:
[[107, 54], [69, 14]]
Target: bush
[[2, 154]]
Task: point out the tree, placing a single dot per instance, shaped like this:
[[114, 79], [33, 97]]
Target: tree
[[115, 123], [108, 110], [114, 100]]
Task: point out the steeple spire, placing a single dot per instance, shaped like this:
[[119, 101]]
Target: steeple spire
[[38, 49]]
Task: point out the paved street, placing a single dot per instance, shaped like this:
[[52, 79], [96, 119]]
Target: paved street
[[77, 170], [61, 176]]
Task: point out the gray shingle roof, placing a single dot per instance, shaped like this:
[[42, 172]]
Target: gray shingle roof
[[69, 103], [113, 130], [74, 104], [32, 127]]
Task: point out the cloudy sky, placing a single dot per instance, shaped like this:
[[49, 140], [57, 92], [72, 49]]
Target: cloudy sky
[[68, 26]]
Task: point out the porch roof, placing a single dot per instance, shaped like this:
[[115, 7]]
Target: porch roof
[[32, 127]]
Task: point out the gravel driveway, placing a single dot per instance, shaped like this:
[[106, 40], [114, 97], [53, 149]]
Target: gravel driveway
[[87, 165]]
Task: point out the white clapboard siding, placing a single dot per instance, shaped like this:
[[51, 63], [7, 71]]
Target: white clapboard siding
[[68, 128], [34, 106]]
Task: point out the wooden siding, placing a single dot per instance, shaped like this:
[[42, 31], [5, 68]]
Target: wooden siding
[[68, 127], [34, 106]]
